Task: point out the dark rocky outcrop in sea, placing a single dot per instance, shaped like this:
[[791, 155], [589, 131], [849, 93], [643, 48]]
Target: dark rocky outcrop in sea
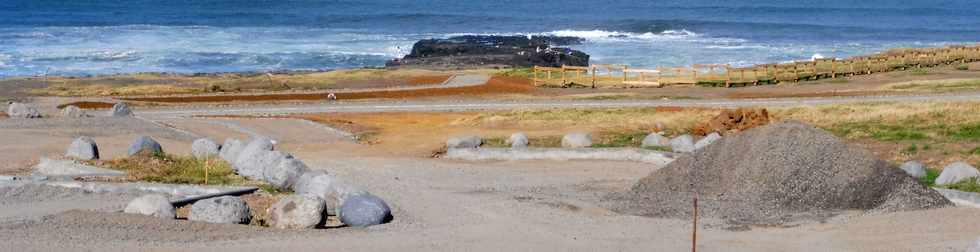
[[477, 51]]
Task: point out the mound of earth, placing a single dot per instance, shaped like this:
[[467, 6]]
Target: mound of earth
[[776, 174], [733, 120]]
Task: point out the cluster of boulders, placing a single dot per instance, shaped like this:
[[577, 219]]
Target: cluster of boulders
[[951, 174], [318, 194], [26, 110], [682, 144]]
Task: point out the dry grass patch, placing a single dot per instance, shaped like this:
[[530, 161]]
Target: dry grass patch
[[936, 86]]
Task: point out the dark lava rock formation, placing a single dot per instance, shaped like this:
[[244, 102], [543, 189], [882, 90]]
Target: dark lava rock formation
[[478, 51]]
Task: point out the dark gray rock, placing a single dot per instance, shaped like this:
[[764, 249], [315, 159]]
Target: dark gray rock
[[144, 145], [482, 50], [297, 212], [915, 169], [22, 110], [205, 148], [518, 141], [684, 143], [230, 149], [152, 205], [83, 148], [224, 209], [73, 111], [364, 210], [461, 142], [655, 140], [707, 140], [576, 140], [957, 172], [286, 173], [120, 109]]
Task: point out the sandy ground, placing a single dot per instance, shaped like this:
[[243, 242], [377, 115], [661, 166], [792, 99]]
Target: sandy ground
[[440, 205]]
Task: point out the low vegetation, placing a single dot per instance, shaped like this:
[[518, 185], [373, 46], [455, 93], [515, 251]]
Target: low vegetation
[[176, 170], [937, 86]]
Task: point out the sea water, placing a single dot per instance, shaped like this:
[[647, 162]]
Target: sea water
[[91, 37]]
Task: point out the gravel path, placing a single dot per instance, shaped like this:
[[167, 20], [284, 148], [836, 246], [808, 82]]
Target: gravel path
[[436, 106]]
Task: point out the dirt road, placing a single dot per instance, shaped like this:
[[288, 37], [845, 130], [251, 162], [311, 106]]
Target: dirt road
[[469, 105]]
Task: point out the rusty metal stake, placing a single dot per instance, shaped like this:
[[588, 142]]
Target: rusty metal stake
[[694, 228]]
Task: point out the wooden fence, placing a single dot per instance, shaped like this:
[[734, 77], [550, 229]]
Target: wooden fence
[[606, 75]]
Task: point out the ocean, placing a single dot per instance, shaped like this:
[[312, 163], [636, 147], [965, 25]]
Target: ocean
[[94, 37]]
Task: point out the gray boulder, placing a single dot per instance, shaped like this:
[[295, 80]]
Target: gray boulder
[[957, 172], [205, 148], [73, 111], [146, 146], [22, 110], [914, 168], [254, 147], [297, 212], [286, 173], [120, 109], [253, 166], [152, 205], [224, 209], [83, 148], [464, 142], [364, 210], [684, 143], [329, 188], [518, 140], [576, 140], [707, 140], [655, 140], [230, 149]]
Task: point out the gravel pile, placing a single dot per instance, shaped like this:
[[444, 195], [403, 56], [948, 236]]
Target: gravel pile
[[776, 174]]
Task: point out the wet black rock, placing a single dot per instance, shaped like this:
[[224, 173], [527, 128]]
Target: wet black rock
[[474, 51]]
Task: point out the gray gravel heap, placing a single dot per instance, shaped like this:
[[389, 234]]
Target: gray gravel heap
[[655, 140], [155, 205], [956, 172], [459, 142], [297, 212], [364, 210], [230, 149], [683, 143], [707, 140], [22, 110], [285, 174], [775, 174], [72, 111], [224, 209], [205, 148], [144, 145], [576, 140], [83, 148], [518, 140], [914, 168], [120, 109]]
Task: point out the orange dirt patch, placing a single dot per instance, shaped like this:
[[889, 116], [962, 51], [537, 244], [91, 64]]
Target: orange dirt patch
[[730, 121], [496, 85], [3, 115], [88, 105], [427, 80]]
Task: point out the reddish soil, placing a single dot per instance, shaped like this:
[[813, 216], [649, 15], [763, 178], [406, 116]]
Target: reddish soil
[[88, 105], [3, 115], [733, 120], [427, 80], [496, 85]]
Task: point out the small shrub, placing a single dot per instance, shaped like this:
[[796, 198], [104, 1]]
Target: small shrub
[[910, 150], [963, 67], [968, 185], [620, 139], [930, 178], [967, 132], [974, 151], [495, 142], [920, 71]]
